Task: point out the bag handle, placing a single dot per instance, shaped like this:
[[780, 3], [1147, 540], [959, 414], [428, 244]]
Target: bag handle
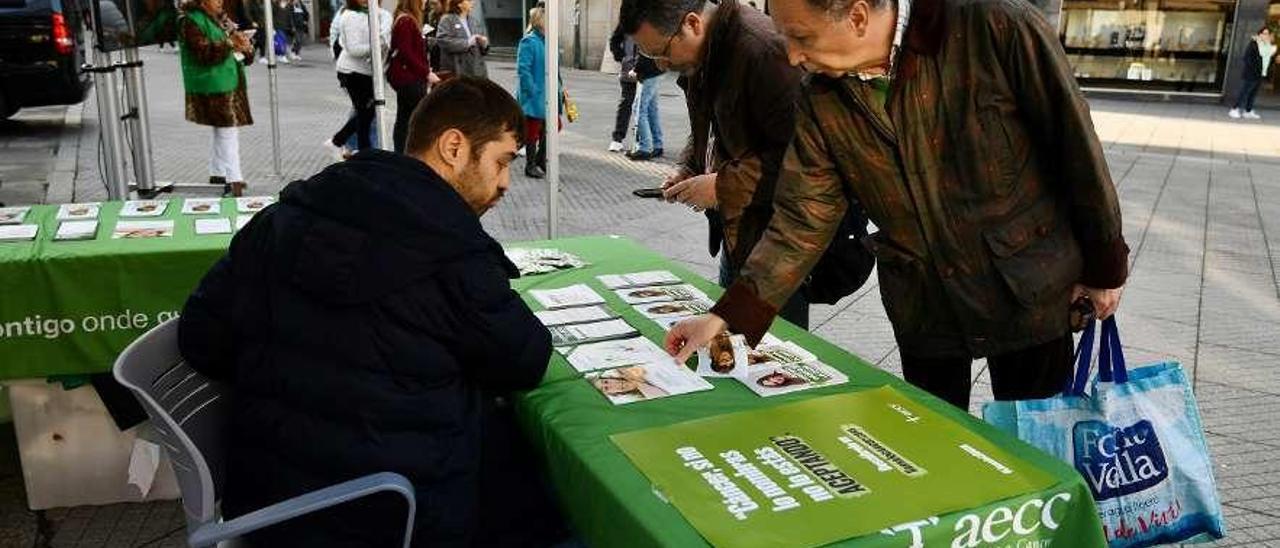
[[1084, 355], [1111, 366]]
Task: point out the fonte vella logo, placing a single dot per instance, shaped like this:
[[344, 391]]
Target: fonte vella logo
[[1118, 461]]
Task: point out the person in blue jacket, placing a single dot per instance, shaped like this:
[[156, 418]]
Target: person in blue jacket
[[531, 70], [366, 323]]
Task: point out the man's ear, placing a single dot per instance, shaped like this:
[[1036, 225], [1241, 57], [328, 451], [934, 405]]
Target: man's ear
[[859, 16], [453, 148]]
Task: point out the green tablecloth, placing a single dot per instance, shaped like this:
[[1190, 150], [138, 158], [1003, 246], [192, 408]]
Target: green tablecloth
[[69, 307], [610, 503]]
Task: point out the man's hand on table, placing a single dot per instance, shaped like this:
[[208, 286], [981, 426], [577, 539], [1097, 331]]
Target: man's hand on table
[[689, 335]]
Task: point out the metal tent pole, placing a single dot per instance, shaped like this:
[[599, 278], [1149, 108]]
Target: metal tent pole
[[552, 121], [139, 118], [379, 79], [269, 44], [104, 84]]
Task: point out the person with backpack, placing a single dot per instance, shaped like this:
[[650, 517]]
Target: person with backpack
[[355, 74], [408, 68], [624, 52]]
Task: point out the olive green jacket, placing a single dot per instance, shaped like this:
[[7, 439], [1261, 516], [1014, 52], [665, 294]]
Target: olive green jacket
[[982, 172]]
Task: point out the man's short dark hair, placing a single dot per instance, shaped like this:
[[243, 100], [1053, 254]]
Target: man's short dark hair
[[477, 107], [663, 15]]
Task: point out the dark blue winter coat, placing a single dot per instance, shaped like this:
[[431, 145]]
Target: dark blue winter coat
[[365, 323]]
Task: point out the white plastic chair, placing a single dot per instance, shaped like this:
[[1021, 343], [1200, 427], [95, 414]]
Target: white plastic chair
[[189, 412]]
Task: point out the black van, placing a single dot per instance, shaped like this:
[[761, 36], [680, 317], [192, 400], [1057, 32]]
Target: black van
[[41, 51]]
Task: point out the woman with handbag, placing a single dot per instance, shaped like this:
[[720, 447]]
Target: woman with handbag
[[408, 69], [461, 51], [531, 62], [213, 79]]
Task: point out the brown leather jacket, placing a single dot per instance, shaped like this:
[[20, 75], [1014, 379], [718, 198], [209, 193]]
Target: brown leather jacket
[[982, 172], [747, 91]]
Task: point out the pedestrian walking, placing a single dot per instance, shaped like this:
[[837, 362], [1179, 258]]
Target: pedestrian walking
[[623, 49], [531, 63], [282, 18], [461, 50], [355, 74], [408, 69], [301, 27], [1257, 63], [648, 121], [213, 79]]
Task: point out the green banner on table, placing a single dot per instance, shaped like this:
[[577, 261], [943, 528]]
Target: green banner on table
[[70, 307], [840, 467]]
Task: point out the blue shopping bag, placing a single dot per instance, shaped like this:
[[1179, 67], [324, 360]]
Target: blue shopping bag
[[280, 43], [1136, 438]]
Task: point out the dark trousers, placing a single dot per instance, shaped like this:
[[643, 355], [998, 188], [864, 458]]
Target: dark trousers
[[407, 99], [796, 309], [1248, 92], [360, 89], [623, 119], [535, 140], [1036, 372]]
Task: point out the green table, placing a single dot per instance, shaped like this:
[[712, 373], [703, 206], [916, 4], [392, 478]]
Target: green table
[[69, 307], [610, 503]]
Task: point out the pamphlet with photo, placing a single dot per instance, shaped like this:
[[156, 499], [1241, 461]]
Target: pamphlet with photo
[[580, 333], [779, 353], [618, 353], [724, 356], [565, 297], [13, 215], [674, 309], [638, 279], [773, 380], [646, 382], [253, 204], [202, 206], [78, 212], [144, 208], [642, 295], [142, 229]]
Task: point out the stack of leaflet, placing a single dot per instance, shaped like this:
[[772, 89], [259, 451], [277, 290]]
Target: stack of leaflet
[[531, 261], [624, 366]]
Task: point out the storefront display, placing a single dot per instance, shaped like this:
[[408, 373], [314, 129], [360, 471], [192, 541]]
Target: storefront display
[[1169, 45]]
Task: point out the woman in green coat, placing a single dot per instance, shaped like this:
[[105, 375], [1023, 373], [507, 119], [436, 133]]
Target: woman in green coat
[[213, 78]]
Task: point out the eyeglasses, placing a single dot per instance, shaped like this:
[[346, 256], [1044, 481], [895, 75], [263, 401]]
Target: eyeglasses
[[666, 50]]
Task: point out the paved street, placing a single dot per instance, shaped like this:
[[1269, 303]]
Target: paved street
[[1200, 197]]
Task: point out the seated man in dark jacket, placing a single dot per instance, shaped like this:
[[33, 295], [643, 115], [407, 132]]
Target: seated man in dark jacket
[[366, 323]]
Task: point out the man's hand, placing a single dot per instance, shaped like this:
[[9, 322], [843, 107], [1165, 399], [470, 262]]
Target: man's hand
[[1105, 301], [680, 175], [433, 78], [482, 40], [689, 335], [697, 192]]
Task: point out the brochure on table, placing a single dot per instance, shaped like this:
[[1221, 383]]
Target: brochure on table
[[651, 381], [79, 212], [616, 353], [832, 468], [142, 229], [77, 230], [202, 206], [13, 215], [565, 297], [566, 316]]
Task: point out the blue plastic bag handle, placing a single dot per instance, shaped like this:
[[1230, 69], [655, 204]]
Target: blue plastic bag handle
[[1084, 356], [1111, 366]]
